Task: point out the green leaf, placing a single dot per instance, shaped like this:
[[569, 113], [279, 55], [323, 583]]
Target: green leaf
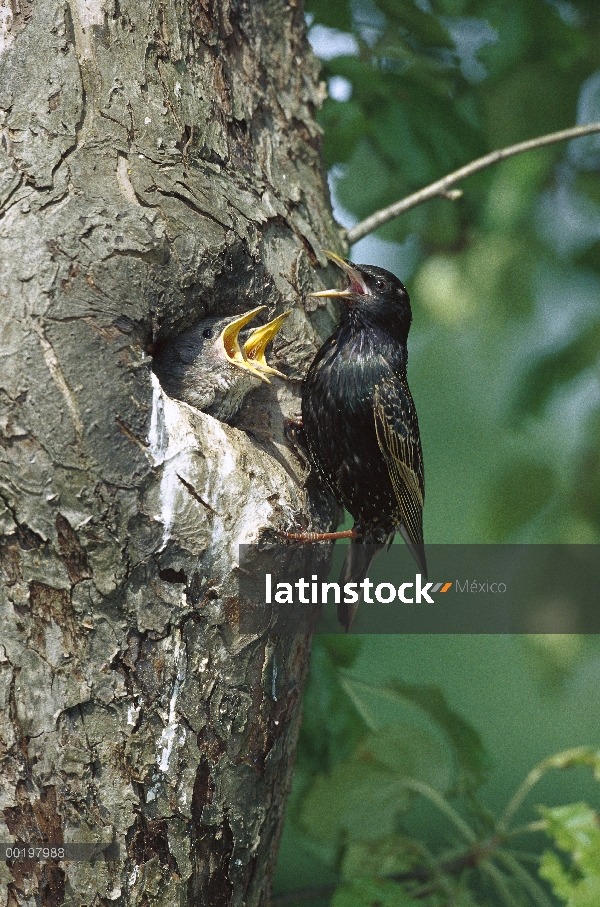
[[342, 650], [344, 124], [573, 891], [356, 800], [368, 180], [586, 184], [332, 13], [530, 101], [361, 798], [466, 899], [395, 136], [514, 190], [575, 829], [553, 871], [580, 755], [423, 27], [387, 856], [410, 752], [472, 760]]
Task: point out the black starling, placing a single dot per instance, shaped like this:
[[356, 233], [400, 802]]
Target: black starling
[[207, 367], [360, 423]]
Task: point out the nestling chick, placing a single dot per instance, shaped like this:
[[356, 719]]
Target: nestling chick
[[207, 367]]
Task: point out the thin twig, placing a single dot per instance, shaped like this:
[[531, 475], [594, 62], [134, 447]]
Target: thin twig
[[500, 882], [419, 787], [359, 704], [536, 892], [529, 829], [440, 187], [530, 781]]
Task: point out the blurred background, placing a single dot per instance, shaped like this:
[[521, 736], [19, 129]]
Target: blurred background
[[504, 366]]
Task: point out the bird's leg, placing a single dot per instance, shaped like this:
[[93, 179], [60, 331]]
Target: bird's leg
[[319, 536], [294, 435]]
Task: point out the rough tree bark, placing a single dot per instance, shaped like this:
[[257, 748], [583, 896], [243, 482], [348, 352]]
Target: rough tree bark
[[159, 162]]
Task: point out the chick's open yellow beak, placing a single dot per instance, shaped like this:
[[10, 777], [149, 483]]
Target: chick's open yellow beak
[[356, 286], [229, 338], [257, 342]]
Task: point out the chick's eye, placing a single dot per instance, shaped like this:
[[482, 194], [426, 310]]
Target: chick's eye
[[380, 284], [208, 333]]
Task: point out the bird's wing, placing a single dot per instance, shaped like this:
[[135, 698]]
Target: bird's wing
[[398, 437]]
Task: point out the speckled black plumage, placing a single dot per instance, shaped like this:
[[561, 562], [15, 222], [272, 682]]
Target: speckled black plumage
[[359, 418]]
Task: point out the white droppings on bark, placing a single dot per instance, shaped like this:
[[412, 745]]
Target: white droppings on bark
[[167, 737], [170, 441], [215, 432], [157, 438], [132, 714], [251, 513]]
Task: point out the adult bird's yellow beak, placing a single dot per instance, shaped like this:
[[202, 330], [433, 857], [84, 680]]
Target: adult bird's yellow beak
[[257, 342], [357, 284], [229, 338]]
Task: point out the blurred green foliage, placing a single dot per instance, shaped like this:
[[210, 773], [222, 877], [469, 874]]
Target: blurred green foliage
[[360, 791], [505, 371]]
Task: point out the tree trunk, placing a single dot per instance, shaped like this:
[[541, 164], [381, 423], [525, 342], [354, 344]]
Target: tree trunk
[[159, 162]]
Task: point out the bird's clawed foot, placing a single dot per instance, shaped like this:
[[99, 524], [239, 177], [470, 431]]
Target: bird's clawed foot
[[318, 536], [294, 435]]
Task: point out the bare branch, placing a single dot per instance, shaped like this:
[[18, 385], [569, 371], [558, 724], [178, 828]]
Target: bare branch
[[441, 187]]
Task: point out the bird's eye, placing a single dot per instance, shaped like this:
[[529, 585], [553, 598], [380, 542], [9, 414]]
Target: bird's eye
[[208, 333], [380, 284]]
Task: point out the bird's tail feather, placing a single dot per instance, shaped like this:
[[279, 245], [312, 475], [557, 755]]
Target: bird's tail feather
[[416, 549], [356, 565], [358, 562]]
